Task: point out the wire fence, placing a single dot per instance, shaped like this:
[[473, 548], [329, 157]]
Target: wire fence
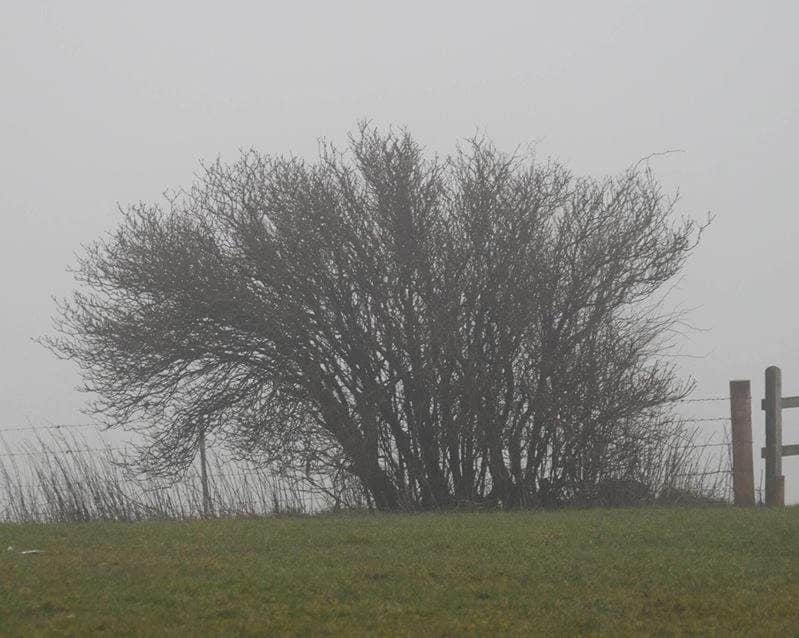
[[239, 488]]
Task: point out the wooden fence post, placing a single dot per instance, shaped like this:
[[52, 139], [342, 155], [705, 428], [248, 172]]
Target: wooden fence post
[[204, 477], [743, 477], [775, 481]]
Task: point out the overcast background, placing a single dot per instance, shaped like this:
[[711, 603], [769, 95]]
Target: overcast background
[[110, 103]]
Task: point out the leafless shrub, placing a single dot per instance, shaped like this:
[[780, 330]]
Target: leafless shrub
[[483, 328]]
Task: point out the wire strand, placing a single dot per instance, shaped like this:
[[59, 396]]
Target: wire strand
[[61, 426], [64, 452]]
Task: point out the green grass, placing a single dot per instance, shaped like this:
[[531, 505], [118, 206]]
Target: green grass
[[713, 571]]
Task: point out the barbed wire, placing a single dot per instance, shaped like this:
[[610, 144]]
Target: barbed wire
[[688, 443], [700, 400], [715, 472], [704, 445], [60, 426], [16, 428], [151, 483], [67, 451]]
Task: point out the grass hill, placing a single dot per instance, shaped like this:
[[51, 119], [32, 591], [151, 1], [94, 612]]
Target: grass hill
[[717, 571]]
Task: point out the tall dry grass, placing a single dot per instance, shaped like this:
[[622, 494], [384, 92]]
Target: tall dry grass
[[60, 479], [690, 467]]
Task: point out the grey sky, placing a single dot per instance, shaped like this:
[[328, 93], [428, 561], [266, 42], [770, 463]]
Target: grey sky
[[105, 103]]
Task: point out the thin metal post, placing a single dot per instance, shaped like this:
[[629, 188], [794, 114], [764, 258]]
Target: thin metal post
[[743, 477], [775, 481], [204, 477]]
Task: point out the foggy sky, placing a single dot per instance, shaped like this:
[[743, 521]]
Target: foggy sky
[[111, 103]]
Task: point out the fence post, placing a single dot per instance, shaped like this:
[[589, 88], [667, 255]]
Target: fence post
[[743, 477], [775, 481], [204, 476]]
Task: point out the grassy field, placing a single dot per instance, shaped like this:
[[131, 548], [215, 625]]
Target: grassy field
[[714, 571]]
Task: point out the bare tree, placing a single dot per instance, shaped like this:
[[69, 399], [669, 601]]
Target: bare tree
[[476, 328]]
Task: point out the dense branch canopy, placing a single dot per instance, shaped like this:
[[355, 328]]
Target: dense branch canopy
[[480, 327]]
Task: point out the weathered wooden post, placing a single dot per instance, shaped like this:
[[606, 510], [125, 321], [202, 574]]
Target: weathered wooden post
[[743, 477], [775, 481], [204, 477]]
